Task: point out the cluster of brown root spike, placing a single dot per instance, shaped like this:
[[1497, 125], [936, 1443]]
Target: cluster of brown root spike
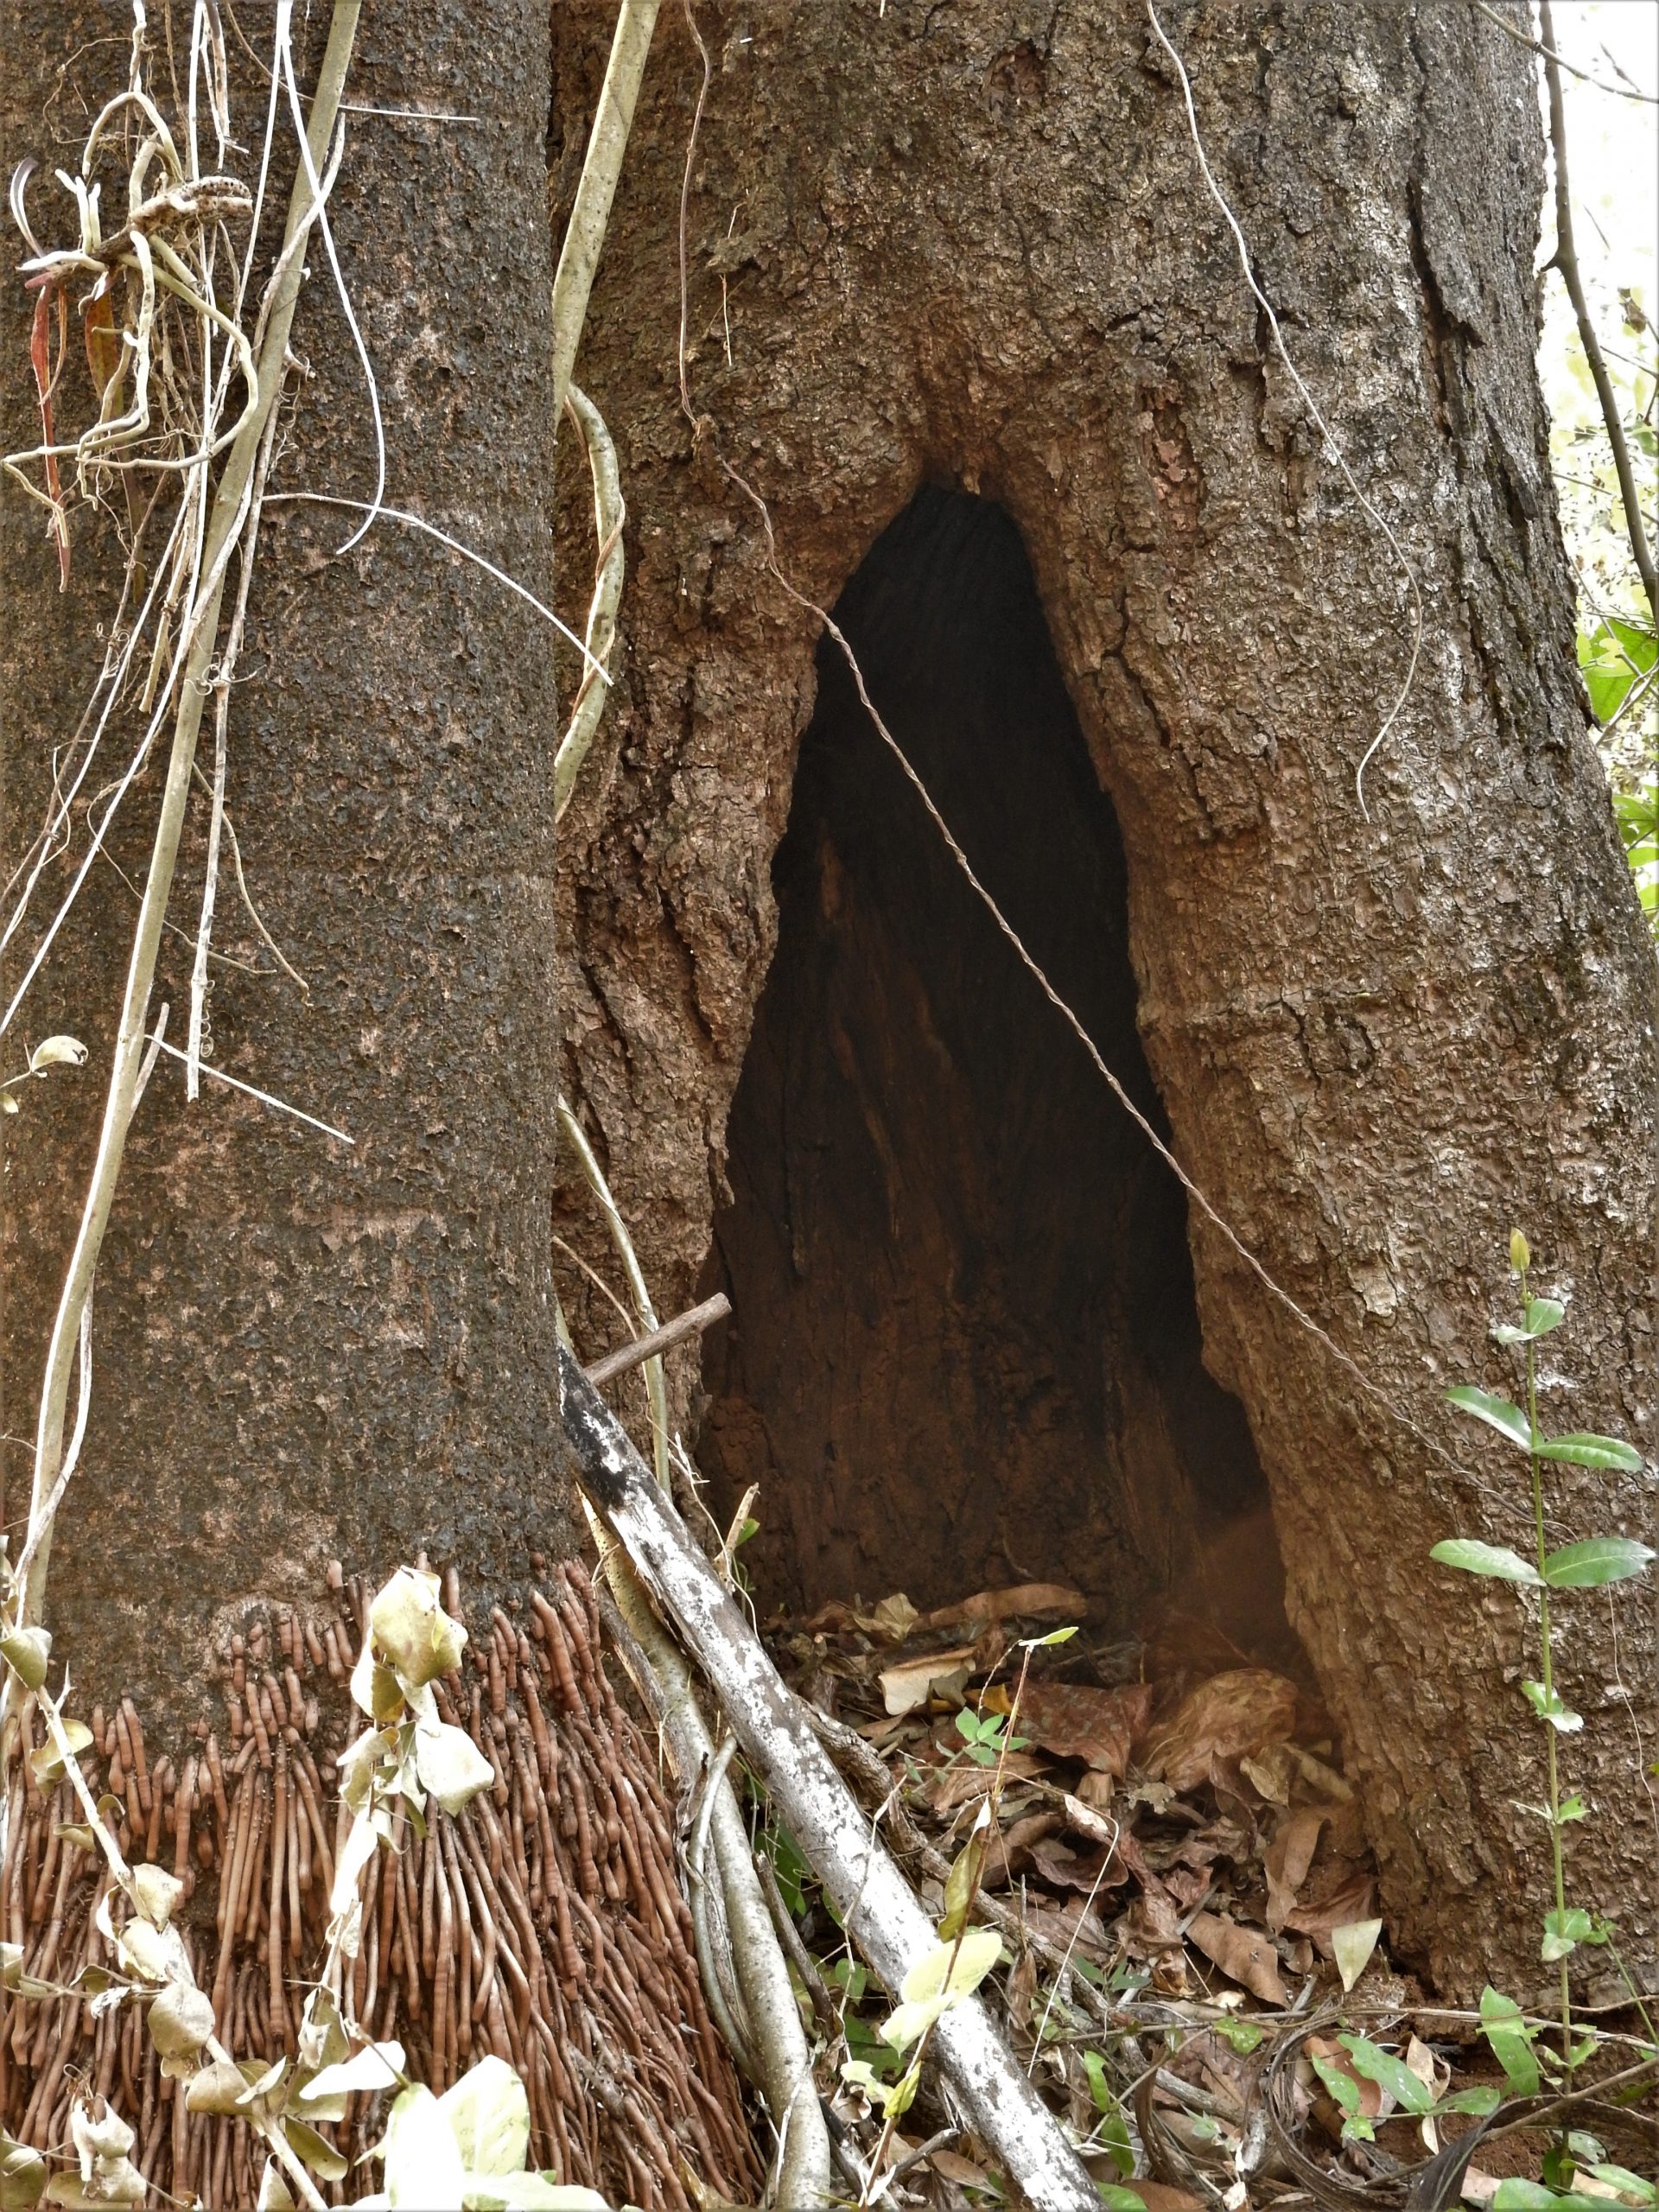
[[545, 1924]]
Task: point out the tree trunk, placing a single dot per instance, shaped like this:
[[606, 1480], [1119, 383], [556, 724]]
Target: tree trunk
[[971, 249], [310, 1354]]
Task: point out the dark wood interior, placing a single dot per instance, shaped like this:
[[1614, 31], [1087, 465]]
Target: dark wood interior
[[964, 1347]]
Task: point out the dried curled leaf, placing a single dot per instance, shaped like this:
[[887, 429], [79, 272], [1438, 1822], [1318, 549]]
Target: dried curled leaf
[[416, 1637]]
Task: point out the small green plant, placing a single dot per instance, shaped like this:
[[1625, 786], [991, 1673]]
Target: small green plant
[[985, 1737], [1589, 1564], [1370, 2062]]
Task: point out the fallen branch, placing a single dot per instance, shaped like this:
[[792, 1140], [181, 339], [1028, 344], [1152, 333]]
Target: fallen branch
[[879, 1913], [780, 2053]]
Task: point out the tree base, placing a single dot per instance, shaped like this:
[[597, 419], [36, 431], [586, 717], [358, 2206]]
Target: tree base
[[545, 1924]]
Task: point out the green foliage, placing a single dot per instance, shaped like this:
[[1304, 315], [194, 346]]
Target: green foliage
[[1592, 1563], [986, 1736]]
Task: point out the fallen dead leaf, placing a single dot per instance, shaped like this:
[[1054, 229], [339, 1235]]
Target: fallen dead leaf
[[1038, 1600], [1158, 2196], [1245, 1954], [1271, 1773], [955, 2167], [1374, 2102], [1351, 1902], [894, 1618], [1065, 1869], [948, 1787], [1075, 1721], [907, 1687], [1232, 1716], [1288, 1858], [1085, 1820], [1096, 1790]]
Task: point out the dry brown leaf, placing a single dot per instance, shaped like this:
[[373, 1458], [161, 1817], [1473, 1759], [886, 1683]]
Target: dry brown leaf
[[1288, 1858], [894, 1618], [1353, 1901], [1096, 1790], [1154, 1921], [1272, 1772], [1158, 2196], [1022, 1990], [1077, 1722], [1229, 1717], [948, 1787], [1066, 1869], [1085, 1820], [908, 1685], [955, 2168], [1246, 1954], [1034, 1600]]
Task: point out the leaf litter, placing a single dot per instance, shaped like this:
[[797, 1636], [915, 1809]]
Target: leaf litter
[[1178, 1869]]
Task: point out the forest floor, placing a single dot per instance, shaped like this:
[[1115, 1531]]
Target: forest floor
[[1176, 1862]]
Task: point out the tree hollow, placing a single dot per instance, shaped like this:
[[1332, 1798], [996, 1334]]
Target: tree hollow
[[965, 1347]]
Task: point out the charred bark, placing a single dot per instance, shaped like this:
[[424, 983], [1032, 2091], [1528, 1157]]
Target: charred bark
[[971, 247]]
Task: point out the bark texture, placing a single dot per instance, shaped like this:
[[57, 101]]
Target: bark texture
[[308, 1352], [971, 246], [304, 1350]]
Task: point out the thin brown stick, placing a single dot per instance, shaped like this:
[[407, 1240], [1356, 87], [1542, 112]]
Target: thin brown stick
[[1549, 52], [1566, 258], [691, 1322]]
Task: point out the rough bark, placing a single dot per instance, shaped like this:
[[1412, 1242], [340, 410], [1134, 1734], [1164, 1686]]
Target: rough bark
[[971, 246], [306, 1352], [302, 1349]]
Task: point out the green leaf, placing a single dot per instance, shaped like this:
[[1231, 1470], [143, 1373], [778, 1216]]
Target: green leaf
[[1598, 1560], [1504, 2028], [1565, 1931], [1339, 2081], [1548, 1705], [1516, 2195], [1345, 2090], [1390, 2073], [1243, 2036], [488, 2113], [1481, 2101], [1544, 1314], [423, 2165], [1497, 1412], [1471, 1556], [1113, 2133], [1582, 1449], [1627, 2184], [926, 1993], [542, 2192]]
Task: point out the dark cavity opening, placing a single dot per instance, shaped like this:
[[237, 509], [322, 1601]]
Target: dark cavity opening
[[964, 1347]]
